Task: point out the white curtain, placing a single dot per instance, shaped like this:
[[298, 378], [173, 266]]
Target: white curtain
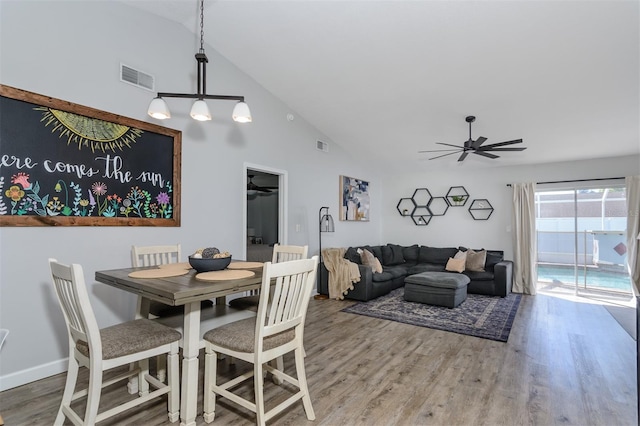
[[632, 184], [525, 246]]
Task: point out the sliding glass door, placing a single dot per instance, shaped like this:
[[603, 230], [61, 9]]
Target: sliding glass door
[[582, 240]]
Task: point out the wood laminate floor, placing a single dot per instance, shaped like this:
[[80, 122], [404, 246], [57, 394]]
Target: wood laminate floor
[[565, 363]]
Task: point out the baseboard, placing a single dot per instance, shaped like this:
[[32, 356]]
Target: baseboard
[[33, 374]]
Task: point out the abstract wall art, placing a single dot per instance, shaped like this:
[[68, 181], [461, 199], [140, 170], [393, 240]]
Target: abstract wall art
[[354, 199]]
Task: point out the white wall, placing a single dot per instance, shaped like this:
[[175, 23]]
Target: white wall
[[457, 227], [71, 50]]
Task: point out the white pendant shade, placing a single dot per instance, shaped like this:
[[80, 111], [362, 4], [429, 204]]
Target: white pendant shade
[[158, 109], [200, 111], [241, 113]]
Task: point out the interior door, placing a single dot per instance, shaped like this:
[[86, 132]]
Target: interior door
[[265, 214]]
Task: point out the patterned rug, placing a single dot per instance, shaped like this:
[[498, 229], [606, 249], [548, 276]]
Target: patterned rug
[[487, 317]]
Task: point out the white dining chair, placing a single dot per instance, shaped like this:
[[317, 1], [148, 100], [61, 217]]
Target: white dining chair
[[280, 254], [211, 315], [104, 349], [154, 256], [277, 330]]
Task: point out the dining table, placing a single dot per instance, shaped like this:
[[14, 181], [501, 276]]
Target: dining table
[[174, 286]]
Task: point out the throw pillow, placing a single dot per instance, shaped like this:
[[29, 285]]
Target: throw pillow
[[369, 259], [475, 260], [352, 255], [461, 255], [375, 250], [455, 265]]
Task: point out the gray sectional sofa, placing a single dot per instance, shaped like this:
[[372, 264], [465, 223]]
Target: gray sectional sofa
[[399, 262]]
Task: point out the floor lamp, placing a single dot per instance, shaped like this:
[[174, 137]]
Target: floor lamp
[[325, 224]]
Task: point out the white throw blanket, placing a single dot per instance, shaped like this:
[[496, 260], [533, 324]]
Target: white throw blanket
[[342, 272]]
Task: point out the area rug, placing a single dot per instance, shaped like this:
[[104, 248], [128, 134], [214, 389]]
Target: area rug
[[487, 317]]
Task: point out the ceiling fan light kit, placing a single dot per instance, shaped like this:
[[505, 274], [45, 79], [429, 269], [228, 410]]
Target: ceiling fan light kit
[[199, 111], [475, 146]]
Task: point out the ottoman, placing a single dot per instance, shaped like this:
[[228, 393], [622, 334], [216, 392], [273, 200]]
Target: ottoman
[[436, 288]]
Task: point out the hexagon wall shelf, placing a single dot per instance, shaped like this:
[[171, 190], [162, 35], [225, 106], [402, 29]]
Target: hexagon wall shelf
[[421, 197], [422, 206], [480, 209], [405, 206], [421, 216], [457, 196], [438, 206]]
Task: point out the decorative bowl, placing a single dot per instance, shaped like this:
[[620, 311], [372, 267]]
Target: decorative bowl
[[206, 265]]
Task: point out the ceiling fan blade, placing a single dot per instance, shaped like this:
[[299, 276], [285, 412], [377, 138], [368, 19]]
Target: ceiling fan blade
[[504, 149], [463, 156], [253, 187], [448, 144], [476, 144], [501, 144], [441, 150], [443, 155], [485, 154]]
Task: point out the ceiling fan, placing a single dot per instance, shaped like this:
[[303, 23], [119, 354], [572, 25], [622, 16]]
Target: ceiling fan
[[252, 188], [476, 146]]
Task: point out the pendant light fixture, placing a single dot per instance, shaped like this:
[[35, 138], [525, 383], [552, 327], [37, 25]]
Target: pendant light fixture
[[199, 111]]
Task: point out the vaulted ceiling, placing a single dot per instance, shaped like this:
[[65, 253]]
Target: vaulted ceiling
[[386, 79]]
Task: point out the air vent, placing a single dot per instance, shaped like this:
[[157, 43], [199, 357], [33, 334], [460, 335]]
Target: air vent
[[137, 78], [322, 146]]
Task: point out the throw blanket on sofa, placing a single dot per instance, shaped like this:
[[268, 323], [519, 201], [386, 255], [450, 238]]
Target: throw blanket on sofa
[[342, 273]]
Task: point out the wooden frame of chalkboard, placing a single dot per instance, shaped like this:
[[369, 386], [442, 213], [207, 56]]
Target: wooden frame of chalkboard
[[64, 164]]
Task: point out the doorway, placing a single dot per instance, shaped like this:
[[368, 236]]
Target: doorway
[[581, 237], [265, 211]]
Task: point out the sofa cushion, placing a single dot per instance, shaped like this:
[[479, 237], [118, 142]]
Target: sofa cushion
[[476, 260], [493, 257], [392, 254], [384, 276], [410, 253], [395, 271], [479, 276], [425, 267], [438, 256], [455, 265], [352, 255]]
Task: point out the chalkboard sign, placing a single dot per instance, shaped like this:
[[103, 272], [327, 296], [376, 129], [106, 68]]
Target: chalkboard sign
[[67, 164]]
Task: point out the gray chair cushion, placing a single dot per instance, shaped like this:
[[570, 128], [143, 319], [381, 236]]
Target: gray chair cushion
[[161, 310], [131, 337], [247, 302], [240, 336]]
